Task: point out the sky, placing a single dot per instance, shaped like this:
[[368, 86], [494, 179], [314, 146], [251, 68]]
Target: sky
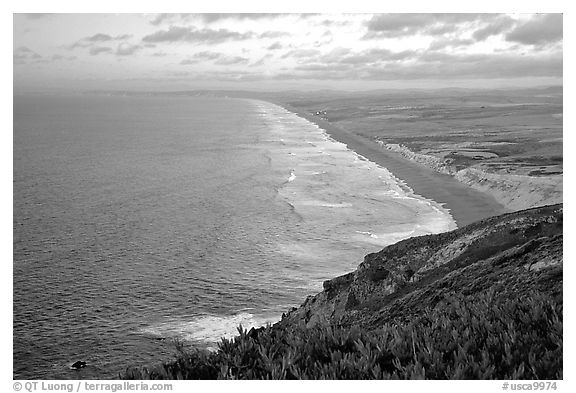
[[162, 52]]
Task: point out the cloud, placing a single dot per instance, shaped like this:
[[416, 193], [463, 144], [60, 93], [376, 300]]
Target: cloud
[[369, 56], [301, 53], [207, 55], [450, 43], [261, 61], [275, 46], [498, 26], [346, 57], [96, 50], [199, 57], [398, 25], [161, 18], [273, 34], [100, 37], [58, 57], [23, 55], [218, 58], [540, 30], [224, 75], [335, 55], [210, 18], [232, 60], [382, 64], [331, 23], [189, 34], [125, 49]]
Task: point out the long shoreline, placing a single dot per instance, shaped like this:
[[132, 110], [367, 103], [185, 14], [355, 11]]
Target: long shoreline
[[465, 204]]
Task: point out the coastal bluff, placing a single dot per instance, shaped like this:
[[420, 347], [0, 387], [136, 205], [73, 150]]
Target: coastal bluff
[[518, 253], [481, 302]]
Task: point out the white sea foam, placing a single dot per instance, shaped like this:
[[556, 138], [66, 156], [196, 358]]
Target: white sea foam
[[323, 204], [208, 329], [373, 236], [352, 193]]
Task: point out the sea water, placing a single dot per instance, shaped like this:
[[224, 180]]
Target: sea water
[[140, 220]]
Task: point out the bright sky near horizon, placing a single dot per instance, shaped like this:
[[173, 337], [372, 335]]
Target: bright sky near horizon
[[285, 51]]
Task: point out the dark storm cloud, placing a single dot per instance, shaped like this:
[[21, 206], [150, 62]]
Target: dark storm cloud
[[397, 25], [192, 35], [540, 30]]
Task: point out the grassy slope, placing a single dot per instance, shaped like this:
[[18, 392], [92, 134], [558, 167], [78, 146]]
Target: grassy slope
[[481, 302]]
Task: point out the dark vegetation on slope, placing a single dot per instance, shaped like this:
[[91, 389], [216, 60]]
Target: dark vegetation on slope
[[480, 302]]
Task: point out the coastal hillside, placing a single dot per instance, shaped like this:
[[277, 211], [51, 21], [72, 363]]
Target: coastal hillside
[[522, 188], [517, 254], [480, 302]]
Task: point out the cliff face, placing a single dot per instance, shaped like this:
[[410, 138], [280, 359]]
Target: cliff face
[[510, 255], [514, 191]]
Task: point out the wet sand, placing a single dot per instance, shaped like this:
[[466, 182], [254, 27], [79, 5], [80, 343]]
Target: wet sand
[[465, 204]]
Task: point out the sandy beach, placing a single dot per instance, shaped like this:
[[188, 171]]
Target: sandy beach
[[464, 203]]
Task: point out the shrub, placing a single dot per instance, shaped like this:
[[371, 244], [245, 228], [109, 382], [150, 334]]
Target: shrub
[[464, 337]]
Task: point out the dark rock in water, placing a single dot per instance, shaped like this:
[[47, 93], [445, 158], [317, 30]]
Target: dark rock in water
[[78, 365]]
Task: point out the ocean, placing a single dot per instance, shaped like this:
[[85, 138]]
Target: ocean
[[139, 221]]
